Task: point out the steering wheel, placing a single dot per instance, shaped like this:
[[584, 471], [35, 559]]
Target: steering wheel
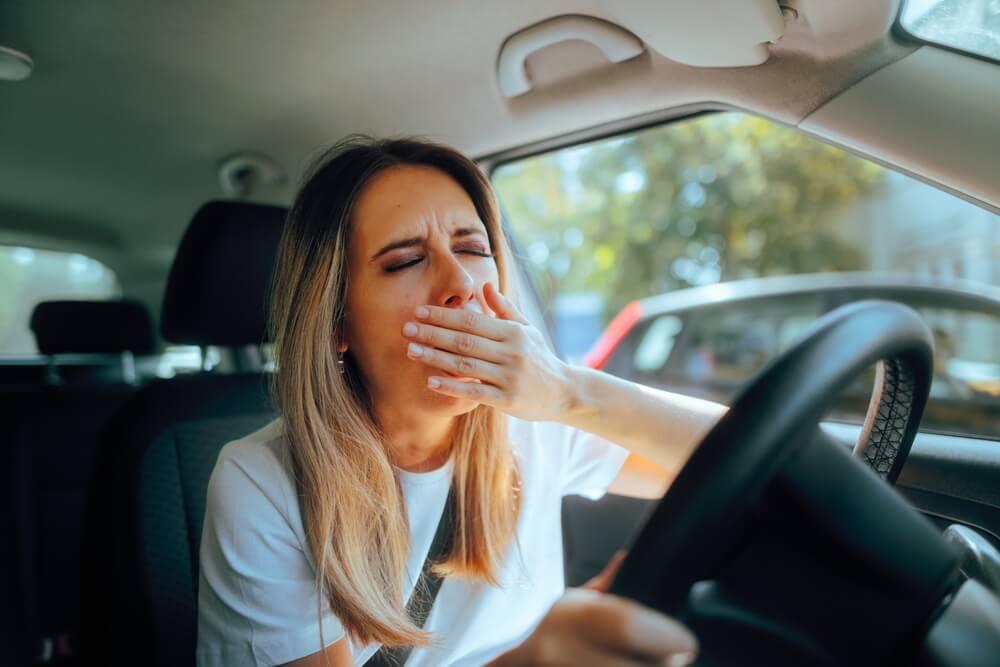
[[774, 544]]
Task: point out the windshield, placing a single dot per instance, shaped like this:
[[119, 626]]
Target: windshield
[[972, 26], [733, 234]]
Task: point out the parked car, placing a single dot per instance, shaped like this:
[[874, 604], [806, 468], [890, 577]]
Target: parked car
[[709, 341]]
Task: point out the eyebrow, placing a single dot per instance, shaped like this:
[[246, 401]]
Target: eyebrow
[[416, 240]]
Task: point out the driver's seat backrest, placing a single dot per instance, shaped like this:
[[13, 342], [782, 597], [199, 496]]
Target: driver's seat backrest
[[143, 535], [173, 490]]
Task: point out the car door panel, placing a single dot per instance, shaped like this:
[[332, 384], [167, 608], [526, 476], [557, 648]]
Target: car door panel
[[949, 479]]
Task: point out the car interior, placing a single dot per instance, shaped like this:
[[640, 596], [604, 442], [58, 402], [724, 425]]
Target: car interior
[[148, 156]]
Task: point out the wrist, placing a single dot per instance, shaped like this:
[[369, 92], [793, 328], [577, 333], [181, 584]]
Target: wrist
[[577, 402]]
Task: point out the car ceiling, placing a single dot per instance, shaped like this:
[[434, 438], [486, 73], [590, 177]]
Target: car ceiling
[[118, 135]]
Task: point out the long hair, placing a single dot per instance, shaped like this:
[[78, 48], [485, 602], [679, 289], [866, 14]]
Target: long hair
[[351, 501]]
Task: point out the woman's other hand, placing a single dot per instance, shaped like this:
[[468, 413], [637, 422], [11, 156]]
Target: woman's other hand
[[587, 626], [507, 359]]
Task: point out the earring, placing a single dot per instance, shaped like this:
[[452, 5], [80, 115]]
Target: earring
[[340, 363]]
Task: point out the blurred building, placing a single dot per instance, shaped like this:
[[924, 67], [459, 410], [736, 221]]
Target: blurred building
[[907, 226]]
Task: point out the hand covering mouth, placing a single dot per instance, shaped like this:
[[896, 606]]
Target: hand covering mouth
[[455, 376], [473, 305]]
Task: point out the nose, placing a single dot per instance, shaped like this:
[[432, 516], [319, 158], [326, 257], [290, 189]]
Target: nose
[[457, 286]]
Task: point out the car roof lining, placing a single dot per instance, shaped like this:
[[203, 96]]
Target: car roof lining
[[115, 141], [894, 115]]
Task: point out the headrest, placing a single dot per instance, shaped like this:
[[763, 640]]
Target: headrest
[[219, 284], [92, 327]]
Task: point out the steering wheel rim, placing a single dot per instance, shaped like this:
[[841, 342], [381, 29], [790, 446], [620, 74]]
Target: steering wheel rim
[[683, 542], [883, 443]]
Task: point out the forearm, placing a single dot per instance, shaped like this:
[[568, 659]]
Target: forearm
[[661, 426]]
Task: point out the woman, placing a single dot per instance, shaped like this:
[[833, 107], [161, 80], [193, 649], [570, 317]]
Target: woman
[[405, 374]]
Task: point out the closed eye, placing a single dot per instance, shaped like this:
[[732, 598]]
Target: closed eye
[[476, 252]]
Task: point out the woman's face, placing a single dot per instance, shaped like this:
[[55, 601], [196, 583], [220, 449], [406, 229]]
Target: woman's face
[[416, 240]]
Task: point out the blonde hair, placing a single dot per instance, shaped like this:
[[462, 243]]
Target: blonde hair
[[351, 502]]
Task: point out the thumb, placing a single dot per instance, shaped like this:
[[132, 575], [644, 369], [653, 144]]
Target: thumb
[[602, 582], [501, 305]]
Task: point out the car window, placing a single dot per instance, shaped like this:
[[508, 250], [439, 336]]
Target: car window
[[654, 224], [727, 346], [656, 344], [29, 276], [712, 352]]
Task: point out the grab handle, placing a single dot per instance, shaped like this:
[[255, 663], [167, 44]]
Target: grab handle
[[617, 44]]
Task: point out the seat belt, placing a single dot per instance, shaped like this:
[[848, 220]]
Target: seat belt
[[419, 606]]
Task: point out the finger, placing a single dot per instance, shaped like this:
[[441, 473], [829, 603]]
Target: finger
[[458, 342], [602, 582], [483, 393], [501, 305], [469, 321], [457, 364], [620, 624]]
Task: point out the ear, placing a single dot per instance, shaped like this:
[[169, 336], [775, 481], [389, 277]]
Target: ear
[[341, 347]]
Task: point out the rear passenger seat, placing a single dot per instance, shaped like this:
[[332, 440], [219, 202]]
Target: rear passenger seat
[[17, 375], [144, 526], [50, 437]]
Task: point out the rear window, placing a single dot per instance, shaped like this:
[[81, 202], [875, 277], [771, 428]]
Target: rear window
[[29, 276], [727, 200]]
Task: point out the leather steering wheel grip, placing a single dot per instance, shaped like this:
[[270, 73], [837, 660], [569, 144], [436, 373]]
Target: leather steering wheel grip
[[883, 444]]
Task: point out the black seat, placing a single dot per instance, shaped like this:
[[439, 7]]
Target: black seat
[[92, 342], [144, 528], [17, 375], [51, 436]]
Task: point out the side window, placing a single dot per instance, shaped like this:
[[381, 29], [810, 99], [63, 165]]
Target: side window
[[687, 255], [726, 346], [654, 349], [966, 384]]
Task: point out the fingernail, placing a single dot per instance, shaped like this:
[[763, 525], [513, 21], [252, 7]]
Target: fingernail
[[423, 312], [680, 659], [414, 350], [409, 329], [667, 631], [433, 383]]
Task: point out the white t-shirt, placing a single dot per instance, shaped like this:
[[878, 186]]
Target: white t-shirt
[[258, 600]]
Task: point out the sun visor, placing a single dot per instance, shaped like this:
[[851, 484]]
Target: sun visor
[[707, 33]]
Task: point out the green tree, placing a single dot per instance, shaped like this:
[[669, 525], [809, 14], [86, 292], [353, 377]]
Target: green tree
[[718, 197]]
